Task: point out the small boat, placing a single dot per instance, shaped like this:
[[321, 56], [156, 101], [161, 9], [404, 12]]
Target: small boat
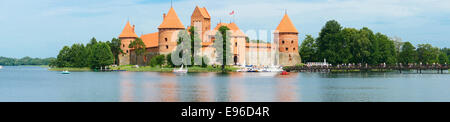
[[252, 70], [65, 72], [181, 70], [284, 73], [1, 67]]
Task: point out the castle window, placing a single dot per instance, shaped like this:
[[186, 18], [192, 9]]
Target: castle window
[[123, 45], [235, 44], [282, 42], [167, 46], [292, 42], [294, 48], [287, 49], [127, 51], [165, 39]]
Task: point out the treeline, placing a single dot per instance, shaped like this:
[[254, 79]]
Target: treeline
[[95, 54], [4, 61], [340, 45]]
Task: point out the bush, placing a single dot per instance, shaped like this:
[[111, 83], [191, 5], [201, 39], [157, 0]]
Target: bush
[[169, 60], [157, 60]]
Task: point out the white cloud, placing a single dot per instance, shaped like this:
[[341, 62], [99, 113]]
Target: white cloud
[[53, 23]]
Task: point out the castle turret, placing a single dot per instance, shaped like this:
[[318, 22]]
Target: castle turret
[[126, 37], [287, 40], [168, 31], [201, 20]]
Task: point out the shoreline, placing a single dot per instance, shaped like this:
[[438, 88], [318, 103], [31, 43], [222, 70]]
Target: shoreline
[[195, 69], [130, 68]]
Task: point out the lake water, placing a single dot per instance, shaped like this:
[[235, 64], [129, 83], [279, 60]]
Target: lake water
[[37, 84]]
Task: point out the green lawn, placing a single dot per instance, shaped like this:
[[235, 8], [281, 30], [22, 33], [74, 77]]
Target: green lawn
[[71, 69]]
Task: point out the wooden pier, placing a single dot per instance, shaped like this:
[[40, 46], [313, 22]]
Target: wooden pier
[[367, 68]]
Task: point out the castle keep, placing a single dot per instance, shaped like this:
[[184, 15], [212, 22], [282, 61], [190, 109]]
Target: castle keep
[[283, 51]]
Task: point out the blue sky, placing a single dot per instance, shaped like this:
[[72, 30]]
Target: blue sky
[[41, 28]]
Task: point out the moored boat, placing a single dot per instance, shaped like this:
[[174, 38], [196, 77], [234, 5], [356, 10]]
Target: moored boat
[[65, 72], [181, 70], [284, 73]]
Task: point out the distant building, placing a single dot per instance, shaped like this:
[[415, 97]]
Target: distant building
[[282, 52]]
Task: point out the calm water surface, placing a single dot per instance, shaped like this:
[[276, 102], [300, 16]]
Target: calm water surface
[[38, 84]]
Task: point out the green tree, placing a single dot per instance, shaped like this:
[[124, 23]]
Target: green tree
[[308, 49], [447, 52], [78, 56], [222, 46], [362, 46], [427, 53], [408, 54], [115, 49], [26, 61], [63, 57], [443, 59], [93, 41], [139, 48], [329, 42], [102, 56], [346, 37], [169, 60], [387, 49]]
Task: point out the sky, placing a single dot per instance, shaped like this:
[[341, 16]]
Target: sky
[[40, 28]]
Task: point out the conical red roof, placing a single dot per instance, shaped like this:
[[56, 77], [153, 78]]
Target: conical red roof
[[203, 12], [171, 20], [286, 25], [128, 31]]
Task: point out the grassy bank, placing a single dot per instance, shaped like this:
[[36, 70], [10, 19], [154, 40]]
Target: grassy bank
[[131, 68], [71, 69]]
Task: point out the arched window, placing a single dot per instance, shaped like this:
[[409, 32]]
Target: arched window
[[287, 49], [282, 42], [127, 51], [235, 44], [167, 46], [165, 39], [292, 42], [123, 45], [294, 48]]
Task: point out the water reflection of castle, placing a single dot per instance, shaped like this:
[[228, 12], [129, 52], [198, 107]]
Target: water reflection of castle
[[283, 51], [204, 88]]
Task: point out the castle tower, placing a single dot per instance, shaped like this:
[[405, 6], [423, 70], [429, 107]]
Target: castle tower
[[201, 20], [126, 37], [168, 31], [287, 40]]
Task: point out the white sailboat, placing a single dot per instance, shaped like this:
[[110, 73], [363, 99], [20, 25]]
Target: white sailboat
[[65, 72], [181, 70], [1, 67]]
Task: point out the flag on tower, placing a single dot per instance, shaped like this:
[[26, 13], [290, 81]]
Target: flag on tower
[[232, 12]]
